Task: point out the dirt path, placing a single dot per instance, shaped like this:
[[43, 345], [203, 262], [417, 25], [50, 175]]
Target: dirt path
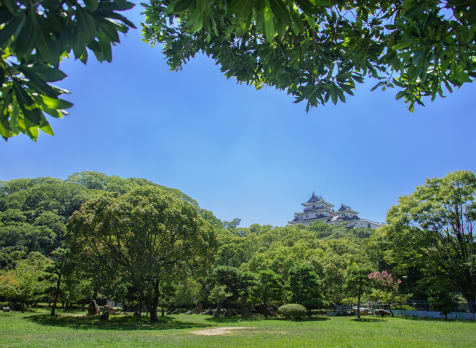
[[219, 330]]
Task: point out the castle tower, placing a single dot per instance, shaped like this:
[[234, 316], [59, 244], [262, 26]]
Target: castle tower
[[315, 209]]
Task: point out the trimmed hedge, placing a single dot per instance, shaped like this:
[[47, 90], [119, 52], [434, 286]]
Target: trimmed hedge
[[292, 311]]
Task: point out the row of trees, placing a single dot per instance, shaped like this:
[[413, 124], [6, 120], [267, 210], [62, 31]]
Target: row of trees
[[142, 244]]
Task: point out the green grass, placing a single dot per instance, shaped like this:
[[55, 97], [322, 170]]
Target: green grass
[[38, 329]]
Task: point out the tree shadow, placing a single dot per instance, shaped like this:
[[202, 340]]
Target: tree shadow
[[369, 320], [438, 319], [234, 319], [114, 323], [318, 319]]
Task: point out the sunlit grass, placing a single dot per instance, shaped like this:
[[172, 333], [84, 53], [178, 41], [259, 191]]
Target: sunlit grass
[[38, 329]]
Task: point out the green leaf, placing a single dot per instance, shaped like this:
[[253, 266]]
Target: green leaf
[[268, 22], [280, 11], [10, 29], [25, 40], [306, 6], [47, 129], [53, 112], [91, 5], [400, 94], [11, 5], [246, 8], [53, 103], [46, 46], [47, 73], [404, 44]]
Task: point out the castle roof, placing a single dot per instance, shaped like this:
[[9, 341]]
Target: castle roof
[[344, 207], [314, 199]]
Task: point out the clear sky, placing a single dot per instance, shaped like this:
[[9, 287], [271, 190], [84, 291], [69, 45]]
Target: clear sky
[[240, 152]]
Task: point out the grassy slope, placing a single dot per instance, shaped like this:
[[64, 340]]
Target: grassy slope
[[40, 330]]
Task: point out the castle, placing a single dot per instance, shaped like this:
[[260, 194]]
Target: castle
[[317, 209]]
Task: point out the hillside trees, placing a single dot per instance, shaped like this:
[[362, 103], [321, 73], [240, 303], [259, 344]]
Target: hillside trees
[[319, 50], [143, 234], [35, 37], [33, 216], [432, 231]]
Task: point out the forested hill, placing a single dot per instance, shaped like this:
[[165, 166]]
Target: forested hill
[[34, 215], [34, 212]]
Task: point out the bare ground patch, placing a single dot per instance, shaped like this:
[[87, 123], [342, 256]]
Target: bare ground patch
[[220, 330]]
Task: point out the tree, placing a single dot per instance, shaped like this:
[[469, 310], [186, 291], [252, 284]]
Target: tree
[[142, 235], [26, 283], [432, 230], [60, 258], [231, 288], [318, 50], [385, 289], [441, 297], [357, 282], [268, 290], [35, 37], [305, 287]]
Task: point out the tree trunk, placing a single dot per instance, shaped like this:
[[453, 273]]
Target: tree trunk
[[155, 303], [95, 294], [216, 314], [358, 300], [199, 308]]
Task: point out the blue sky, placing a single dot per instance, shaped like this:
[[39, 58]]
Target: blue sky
[[241, 152]]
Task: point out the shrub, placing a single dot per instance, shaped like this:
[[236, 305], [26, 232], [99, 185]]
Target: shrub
[[292, 311]]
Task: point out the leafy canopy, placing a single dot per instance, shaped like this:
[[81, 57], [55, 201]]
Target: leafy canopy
[[432, 230], [34, 37], [318, 50], [145, 235]]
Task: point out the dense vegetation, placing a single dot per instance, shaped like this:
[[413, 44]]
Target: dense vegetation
[[147, 246]]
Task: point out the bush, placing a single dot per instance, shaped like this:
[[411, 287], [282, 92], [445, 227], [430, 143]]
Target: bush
[[292, 311]]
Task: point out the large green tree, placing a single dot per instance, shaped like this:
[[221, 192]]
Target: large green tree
[[142, 235], [34, 37], [432, 230], [318, 50]]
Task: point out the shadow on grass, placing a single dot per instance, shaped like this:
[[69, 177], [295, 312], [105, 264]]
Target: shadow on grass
[[114, 323], [238, 319], [232, 319], [438, 320], [368, 320]]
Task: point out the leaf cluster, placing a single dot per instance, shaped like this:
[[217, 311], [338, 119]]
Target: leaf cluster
[[319, 50], [34, 37]]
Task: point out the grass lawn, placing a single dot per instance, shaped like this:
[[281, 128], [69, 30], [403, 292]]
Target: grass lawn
[[38, 329]]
